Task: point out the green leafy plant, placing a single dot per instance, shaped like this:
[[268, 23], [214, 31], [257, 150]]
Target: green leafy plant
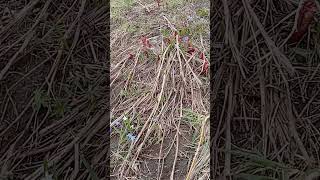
[[165, 32], [119, 6], [129, 27], [125, 128], [47, 175], [59, 108], [194, 118], [124, 93], [41, 99], [202, 12], [199, 29], [174, 3], [185, 31], [127, 124]]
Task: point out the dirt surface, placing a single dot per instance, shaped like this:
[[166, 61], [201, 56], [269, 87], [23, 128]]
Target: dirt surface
[[151, 168]]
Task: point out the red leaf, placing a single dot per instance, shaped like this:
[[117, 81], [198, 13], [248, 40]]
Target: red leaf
[[205, 65], [145, 42], [202, 56], [167, 40], [175, 34], [191, 50], [146, 54], [130, 56], [305, 18]]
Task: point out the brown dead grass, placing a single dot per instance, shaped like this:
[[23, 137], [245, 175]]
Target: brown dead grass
[[53, 89], [153, 92], [265, 93]]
